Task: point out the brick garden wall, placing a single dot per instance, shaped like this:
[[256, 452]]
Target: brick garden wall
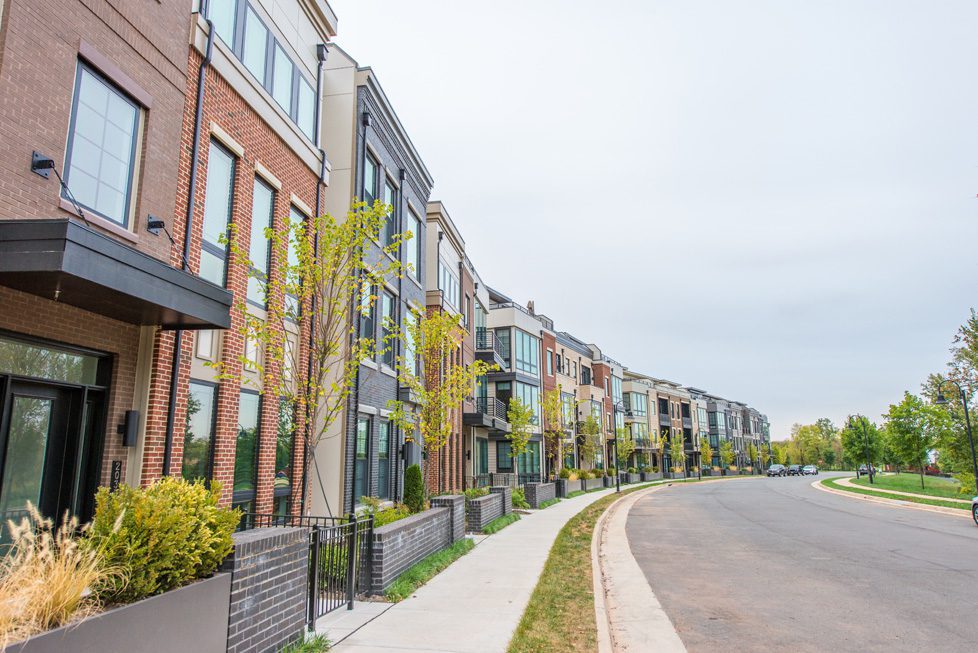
[[398, 546], [483, 510], [269, 583], [537, 493]]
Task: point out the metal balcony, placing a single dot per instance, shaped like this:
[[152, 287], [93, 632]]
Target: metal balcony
[[490, 413], [488, 348]]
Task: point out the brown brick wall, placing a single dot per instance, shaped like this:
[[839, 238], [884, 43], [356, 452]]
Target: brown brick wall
[[146, 41], [224, 107], [34, 316]]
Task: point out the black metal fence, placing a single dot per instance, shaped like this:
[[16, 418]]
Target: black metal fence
[[339, 557]]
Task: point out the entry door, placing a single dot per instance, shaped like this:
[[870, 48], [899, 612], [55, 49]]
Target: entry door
[[38, 448]]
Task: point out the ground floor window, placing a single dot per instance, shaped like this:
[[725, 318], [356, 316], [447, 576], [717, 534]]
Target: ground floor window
[[482, 457], [246, 451], [383, 460], [361, 462], [198, 438], [504, 458], [528, 462], [284, 446]]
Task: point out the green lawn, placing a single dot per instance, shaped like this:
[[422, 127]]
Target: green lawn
[[829, 482], [499, 523], [934, 486]]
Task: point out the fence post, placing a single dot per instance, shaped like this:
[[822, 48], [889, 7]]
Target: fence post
[[313, 594], [351, 559]]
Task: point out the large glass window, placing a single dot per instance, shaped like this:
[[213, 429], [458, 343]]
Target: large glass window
[[368, 325], [504, 457], [246, 451], [255, 47], [291, 298], [414, 245], [615, 389], [284, 444], [448, 284], [305, 109], [217, 214], [383, 460], [278, 74], [223, 13], [637, 403], [568, 409], [361, 482], [529, 395], [410, 354], [42, 362], [371, 173], [262, 206], [527, 353], [390, 198], [387, 327], [502, 335], [101, 147], [198, 437], [528, 462]]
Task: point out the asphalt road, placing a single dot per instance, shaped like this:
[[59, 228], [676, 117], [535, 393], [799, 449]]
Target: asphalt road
[[775, 564]]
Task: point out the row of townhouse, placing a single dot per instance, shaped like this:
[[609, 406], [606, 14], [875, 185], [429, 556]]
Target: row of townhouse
[[135, 142]]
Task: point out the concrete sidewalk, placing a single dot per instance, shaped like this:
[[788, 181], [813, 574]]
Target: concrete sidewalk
[[473, 606]]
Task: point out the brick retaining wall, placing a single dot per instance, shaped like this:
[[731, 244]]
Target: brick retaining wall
[[537, 493], [483, 510]]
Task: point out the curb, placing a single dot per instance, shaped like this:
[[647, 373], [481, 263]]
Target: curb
[[893, 503], [629, 617]]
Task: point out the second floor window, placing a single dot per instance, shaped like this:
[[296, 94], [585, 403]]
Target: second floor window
[[101, 153], [371, 172], [217, 214], [527, 353], [387, 327], [448, 284], [414, 245], [262, 206], [368, 327], [390, 224]]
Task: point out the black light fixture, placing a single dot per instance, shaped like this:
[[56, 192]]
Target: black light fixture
[[154, 224], [41, 165], [129, 429]]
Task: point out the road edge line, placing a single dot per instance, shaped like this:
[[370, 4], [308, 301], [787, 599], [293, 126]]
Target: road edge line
[[893, 503]]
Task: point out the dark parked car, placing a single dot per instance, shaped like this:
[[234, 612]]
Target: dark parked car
[[865, 471], [776, 470], [974, 509], [794, 470], [809, 470]]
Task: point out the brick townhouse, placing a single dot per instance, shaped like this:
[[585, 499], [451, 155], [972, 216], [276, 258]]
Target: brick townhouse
[[92, 93], [99, 283]]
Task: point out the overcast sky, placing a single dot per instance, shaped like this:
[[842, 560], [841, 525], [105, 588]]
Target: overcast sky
[[773, 200]]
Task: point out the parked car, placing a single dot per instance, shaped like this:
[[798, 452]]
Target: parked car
[[776, 470], [865, 471], [794, 470], [974, 510], [809, 470]]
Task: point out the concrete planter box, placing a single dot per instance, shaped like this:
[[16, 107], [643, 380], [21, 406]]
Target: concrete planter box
[[190, 618], [651, 476], [634, 478], [709, 472], [676, 476], [592, 483], [745, 472], [607, 481]]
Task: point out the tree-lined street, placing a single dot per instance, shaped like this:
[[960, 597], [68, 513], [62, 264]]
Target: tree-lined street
[[769, 564]]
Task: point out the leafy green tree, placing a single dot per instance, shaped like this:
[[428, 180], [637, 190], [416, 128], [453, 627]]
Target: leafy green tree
[[706, 452], [910, 431], [520, 417], [727, 454], [807, 441], [437, 381], [752, 453], [780, 452], [677, 452], [553, 428], [625, 446], [858, 435], [590, 442]]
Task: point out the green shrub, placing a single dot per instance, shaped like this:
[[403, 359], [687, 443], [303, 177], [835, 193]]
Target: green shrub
[[548, 503], [475, 492], [413, 489], [519, 498], [162, 536], [611, 471], [564, 473], [384, 515], [633, 470], [315, 644]]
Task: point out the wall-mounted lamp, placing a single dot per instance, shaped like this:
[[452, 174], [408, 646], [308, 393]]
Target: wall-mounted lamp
[[42, 165], [468, 455], [154, 225], [129, 429]]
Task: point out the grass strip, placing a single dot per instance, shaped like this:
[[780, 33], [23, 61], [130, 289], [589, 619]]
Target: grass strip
[[829, 482], [314, 644], [499, 523], [548, 503], [421, 573], [560, 615], [933, 486]]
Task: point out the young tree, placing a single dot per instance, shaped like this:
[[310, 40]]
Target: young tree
[[765, 457], [807, 440], [859, 436], [437, 379], [520, 417], [781, 453], [309, 336], [706, 452], [625, 446], [677, 452], [553, 428], [590, 442], [727, 454], [752, 453], [910, 431]]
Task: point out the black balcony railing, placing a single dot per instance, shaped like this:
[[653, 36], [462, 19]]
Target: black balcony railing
[[491, 406], [486, 340]]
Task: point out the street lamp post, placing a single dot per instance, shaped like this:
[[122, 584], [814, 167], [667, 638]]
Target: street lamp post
[[941, 400], [615, 444]]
